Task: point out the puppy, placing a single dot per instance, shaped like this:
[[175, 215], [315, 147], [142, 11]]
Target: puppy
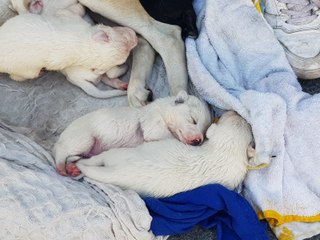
[[30, 43], [78, 75], [164, 39], [47, 7], [167, 167], [184, 117]]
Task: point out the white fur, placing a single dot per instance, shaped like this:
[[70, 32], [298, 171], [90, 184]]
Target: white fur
[[47, 7], [164, 39], [128, 127], [29, 43], [166, 167]]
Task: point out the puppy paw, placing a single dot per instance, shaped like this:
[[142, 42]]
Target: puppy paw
[[61, 170], [139, 97], [123, 86], [72, 169]]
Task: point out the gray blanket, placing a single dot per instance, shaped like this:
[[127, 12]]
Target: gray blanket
[[36, 202]]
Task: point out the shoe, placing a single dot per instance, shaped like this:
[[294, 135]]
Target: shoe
[[296, 24]]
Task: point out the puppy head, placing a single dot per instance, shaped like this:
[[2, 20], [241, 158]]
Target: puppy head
[[188, 118], [112, 45], [235, 131], [231, 126]]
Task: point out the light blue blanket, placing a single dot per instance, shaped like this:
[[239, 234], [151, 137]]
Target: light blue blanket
[[237, 63]]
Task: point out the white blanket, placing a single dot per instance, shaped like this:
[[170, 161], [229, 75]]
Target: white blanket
[[236, 63]]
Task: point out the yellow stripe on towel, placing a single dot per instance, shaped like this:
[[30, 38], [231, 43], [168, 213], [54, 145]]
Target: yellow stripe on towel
[[275, 219], [257, 5], [286, 234]]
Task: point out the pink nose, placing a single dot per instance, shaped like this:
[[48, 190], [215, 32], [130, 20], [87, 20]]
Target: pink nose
[[195, 141]]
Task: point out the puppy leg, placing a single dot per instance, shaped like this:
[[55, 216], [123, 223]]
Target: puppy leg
[[114, 82], [108, 166], [91, 89], [17, 78], [164, 38], [25, 75], [73, 170], [117, 71], [142, 62]]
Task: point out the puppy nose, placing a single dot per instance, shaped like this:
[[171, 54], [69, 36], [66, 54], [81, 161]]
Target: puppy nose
[[196, 142]]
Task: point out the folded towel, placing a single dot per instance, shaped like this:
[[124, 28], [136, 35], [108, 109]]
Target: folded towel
[[237, 63], [208, 206]]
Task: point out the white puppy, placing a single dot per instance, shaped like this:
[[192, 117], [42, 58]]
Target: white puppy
[[47, 7], [164, 39], [167, 167], [183, 116], [30, 43]]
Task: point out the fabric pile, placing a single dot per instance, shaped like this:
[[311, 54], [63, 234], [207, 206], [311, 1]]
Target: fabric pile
[[37, 203], [237, 63]]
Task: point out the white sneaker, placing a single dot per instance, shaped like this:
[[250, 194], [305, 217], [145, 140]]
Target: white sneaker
[[296, 24]]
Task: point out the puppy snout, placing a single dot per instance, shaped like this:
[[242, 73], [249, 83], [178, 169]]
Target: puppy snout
[[130, 36], [196, 142]]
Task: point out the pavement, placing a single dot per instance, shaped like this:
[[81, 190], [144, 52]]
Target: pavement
[[310, 86]]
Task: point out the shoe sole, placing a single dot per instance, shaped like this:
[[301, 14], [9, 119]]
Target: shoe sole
[[304, 68]]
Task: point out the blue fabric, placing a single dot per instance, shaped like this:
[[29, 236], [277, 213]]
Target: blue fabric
[[207, 206]]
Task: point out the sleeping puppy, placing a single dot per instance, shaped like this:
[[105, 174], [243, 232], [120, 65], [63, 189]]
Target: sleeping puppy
[[184, 117], [164, 39], [65, 42], [78, 75], [166, 167]]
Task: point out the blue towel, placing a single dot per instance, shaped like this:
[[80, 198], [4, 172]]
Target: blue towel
[[207, 206]]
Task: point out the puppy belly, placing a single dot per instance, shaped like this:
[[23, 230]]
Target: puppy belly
[[96, 148]]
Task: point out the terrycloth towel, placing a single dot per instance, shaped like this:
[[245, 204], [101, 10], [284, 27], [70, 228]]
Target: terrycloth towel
[[236, 63], [208, 206], [37, 203]]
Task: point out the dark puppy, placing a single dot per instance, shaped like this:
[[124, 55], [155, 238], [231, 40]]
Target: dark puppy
[[178, 12]]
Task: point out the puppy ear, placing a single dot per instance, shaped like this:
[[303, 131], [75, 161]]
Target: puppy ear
[[101, 36], [251, 151], [210, 131], [181, 97], [253, 162], [35, 6]]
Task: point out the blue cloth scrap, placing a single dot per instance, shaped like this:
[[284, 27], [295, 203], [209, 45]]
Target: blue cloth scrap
[[207, 206]]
